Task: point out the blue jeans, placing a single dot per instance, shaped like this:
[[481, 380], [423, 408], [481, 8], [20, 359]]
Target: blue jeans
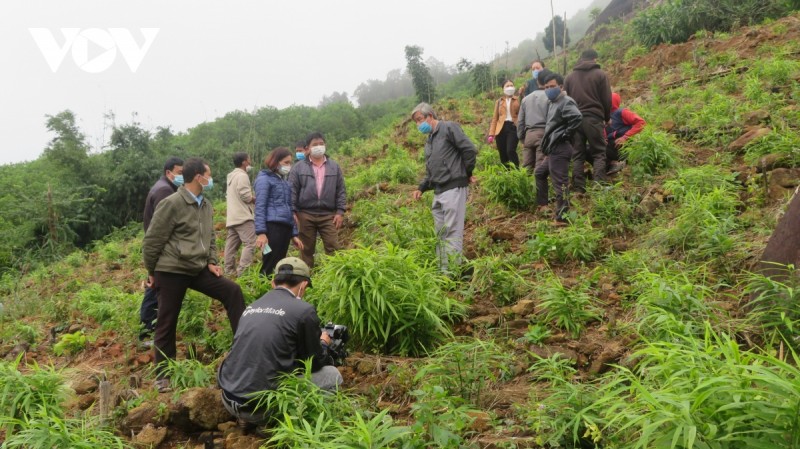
[[148, 313]]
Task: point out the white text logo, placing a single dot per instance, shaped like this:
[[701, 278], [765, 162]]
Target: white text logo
[[102, 44]]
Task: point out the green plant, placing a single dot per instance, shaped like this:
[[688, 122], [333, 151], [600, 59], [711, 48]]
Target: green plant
[[700, 181], [465, 367], [22, 396], [770, 300], [651, 151], [440, 420], [46, 430], [613, 209], [70, 343], [567, 309], [188, 373], [390, 300], [671, 302], [495, 276], [578, 241], [537, 334], [512, 186]]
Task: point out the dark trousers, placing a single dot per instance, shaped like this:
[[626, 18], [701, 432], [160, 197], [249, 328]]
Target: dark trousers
[[309, 226], [148, 313], [589, 144], [556, 165], [278, 236], [171, 291], [613, 153], [507, 142]]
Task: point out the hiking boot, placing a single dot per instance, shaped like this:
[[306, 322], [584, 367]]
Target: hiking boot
[[162, 385], [615, 167]]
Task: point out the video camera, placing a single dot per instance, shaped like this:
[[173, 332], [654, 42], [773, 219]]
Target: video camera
[[339, 337]]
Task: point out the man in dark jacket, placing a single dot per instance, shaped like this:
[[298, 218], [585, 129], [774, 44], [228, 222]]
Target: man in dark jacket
[[449, 161], [563, 120], [276, 335], [180, 252], [169, 182], [589, 87], [318, 199]]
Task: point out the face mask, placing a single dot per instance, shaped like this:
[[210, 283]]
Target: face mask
[[300, 156], [509, 91], [424, 127], [318, 151], [535, 74], [284, 169], [249, 168], [552, 93], [210, 184], [178, 180]]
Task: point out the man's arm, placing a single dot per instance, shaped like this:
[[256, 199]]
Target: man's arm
[[521, 121], [341, 193], [212, 246], [465, 147], [633, 120], [605, 97], [243, 188], [157, 236], [294, 180], [572, 117], [309, 344]]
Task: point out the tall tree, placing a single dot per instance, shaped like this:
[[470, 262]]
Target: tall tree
[[421, 77], [561, 35]]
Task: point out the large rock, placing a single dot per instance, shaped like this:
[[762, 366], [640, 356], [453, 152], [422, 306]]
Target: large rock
[[788, 178], [523, 307], [750, 135], [147, 413], [200, 408], [150, 436], [773, 161]]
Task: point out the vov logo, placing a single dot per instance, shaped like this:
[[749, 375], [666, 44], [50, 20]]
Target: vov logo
[[102, 44]]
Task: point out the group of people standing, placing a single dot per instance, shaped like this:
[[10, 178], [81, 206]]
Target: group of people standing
[[288, 202], [562, 123]]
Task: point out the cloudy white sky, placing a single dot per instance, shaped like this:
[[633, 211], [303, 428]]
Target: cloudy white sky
[[207, 58]]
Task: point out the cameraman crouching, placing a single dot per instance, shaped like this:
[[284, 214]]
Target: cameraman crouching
[[275, 334]]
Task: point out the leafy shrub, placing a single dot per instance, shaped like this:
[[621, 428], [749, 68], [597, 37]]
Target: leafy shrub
[[670, 302], [578, 241], [651, 151], [189, 373], [492, 275], [70, 343], [388, 218], [465, 367], [703, 392], [700, 181], [774, 300], [440, 420], [612, 209], [24, 395], [397, 167], [567, 309], [785, 142], [46, 430], [512, 186], [388, 298]]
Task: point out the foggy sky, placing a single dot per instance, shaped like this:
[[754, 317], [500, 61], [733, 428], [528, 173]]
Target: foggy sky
[[208, 58]]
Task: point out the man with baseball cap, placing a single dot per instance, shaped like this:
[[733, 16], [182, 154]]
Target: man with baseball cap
[[276, 334]]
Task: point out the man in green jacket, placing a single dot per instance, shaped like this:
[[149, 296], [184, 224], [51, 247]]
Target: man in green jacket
[[179, 253]]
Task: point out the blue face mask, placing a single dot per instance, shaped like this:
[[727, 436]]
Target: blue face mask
[[300, 156], [210, 184], [424, 128], [552, 93], [535, 74], [178, 180]]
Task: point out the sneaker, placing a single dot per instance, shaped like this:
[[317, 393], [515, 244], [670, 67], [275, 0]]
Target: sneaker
[[615, 167], [162, 385]]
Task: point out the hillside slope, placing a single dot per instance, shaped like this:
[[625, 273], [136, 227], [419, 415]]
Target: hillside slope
[[633, 324]]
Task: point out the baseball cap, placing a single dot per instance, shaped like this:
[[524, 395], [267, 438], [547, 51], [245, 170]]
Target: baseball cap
[[295, 266]]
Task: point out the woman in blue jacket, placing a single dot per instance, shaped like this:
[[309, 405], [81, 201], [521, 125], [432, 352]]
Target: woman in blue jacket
[[275, 226]]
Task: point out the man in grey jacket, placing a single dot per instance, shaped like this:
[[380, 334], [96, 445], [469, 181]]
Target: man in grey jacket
[[530, 125], [318, 199], [449, 161]]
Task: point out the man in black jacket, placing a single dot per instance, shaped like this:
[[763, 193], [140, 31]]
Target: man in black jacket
[[276, 334], [318, 199], [449, 161], [563, 120], [168, 184], [590, 88]]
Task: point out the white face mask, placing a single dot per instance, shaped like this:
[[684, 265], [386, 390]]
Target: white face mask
[[318, 151], [284, 169], [249, 168], [509, 90]]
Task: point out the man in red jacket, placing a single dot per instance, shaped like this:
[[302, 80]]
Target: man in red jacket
[[623, 125], [589, 87]]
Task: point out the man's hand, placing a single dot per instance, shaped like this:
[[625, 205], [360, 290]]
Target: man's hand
[[215, 270], [298, 243], [473, 179], [261, 241], [417, 194], [620, 142], [337, 221], [150, 282], [325, 338]]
